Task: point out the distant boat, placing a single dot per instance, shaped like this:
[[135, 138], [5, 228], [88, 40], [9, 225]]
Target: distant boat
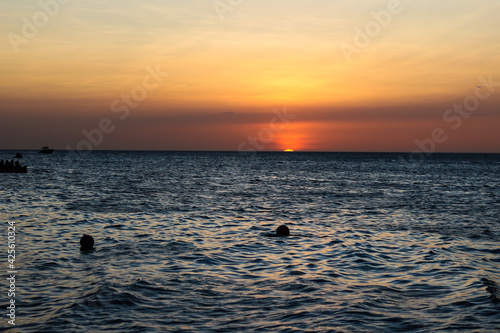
[[46, 150], [18, 155]]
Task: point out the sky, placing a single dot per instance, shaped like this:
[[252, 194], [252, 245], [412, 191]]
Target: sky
[[316, 75]]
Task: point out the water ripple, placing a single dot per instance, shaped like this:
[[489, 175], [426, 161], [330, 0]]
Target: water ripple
[[375, 245]]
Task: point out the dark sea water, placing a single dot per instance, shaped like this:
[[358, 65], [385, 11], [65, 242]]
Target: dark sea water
[[377, 244]]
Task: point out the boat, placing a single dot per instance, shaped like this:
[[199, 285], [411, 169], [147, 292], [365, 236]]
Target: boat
[[11, 167], [18, 155], [46, 150]]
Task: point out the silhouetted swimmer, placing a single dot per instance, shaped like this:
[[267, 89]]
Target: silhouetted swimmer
[[282, 231], [86, 243]]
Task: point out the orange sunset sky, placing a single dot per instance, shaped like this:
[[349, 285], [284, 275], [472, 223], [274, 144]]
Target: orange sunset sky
[[346, 75]]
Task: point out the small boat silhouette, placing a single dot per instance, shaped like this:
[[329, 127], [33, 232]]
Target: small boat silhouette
[[46, 150], [11, 167]]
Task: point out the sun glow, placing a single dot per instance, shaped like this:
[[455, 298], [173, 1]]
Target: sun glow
[[288, 150]]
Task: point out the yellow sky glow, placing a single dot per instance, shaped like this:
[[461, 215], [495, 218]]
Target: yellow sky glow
[[415, 64]]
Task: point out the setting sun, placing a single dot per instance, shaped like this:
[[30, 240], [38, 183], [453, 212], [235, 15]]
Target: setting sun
[[288, 150]]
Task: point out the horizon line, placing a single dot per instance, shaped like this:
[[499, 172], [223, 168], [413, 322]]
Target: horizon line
[[264, 151]]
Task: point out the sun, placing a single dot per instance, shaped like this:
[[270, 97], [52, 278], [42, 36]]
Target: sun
[[288, 150]]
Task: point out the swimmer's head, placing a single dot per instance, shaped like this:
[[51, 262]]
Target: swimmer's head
[[86, 243], [282, 231]]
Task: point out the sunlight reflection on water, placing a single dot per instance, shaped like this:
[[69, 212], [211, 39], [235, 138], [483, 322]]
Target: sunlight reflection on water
[[374, 245]]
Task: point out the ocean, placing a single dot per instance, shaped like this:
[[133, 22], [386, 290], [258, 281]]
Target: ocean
[[379, 242]]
